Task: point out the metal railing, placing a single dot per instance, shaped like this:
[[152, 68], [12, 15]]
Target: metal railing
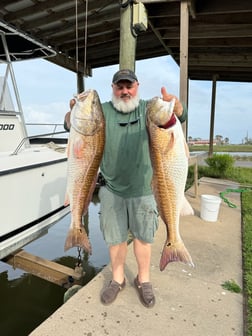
[[22, 142]]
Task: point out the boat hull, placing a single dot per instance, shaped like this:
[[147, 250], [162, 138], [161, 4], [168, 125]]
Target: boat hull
[[32, 195]]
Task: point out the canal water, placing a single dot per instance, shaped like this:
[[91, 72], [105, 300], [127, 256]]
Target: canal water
[[26, 300], [240, 154]]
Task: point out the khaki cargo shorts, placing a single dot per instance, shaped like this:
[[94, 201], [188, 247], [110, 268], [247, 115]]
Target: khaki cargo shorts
[[119, 216]]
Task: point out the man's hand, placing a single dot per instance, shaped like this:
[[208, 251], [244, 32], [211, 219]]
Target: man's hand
[[178, 107], [67, 123]]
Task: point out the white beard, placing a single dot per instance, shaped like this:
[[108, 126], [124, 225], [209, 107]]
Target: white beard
[[123, 106]]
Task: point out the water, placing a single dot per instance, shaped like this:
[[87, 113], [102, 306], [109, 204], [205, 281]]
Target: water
[[241, 154], [230, 153], [27, 300]]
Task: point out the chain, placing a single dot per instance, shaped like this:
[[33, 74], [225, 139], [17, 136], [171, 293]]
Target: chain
[[79, 257]]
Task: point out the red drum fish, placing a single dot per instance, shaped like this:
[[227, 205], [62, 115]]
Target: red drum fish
[[85, 150], [169, 156]]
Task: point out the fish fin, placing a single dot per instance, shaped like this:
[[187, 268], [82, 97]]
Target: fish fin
[[187, 149], [78, 237], [171, 141], [186, 208], [66, 202], [67, 199], [78, 149], [68, 149], [175, 252]]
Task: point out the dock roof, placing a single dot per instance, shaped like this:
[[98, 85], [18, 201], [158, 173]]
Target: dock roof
[[220, 33]]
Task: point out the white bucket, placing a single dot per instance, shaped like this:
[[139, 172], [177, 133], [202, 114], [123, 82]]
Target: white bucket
[[210, 206]]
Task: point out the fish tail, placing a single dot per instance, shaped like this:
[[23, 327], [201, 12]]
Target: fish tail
[[175, 252], [78, 237]]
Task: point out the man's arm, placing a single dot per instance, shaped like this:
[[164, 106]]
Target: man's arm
[[184, 114]]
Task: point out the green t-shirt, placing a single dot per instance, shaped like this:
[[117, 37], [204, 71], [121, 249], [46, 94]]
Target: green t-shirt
[[126, 164]]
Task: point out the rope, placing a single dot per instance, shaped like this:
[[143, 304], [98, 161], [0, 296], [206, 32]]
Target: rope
[[76, 36], [85, 38], [228, 190]]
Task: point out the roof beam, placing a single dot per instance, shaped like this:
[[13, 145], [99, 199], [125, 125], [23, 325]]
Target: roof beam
[[210, 31], [159, 37]]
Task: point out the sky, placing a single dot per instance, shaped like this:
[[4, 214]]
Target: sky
[[45, 90]]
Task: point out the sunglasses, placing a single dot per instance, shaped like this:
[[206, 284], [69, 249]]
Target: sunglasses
[[123, 124]]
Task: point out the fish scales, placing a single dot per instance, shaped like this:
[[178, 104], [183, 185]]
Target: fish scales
[[169, 157], [85, 150]]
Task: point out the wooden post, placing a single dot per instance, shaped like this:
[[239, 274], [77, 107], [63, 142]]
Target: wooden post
[[194, 161], [127, 40], [45, 269], [211, 135], [184, 33]]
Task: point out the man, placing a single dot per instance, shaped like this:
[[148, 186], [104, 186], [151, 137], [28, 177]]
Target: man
[[126, 199]]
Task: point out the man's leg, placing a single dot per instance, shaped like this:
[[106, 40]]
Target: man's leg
[[118, 255], [142, 281], [142, 252]]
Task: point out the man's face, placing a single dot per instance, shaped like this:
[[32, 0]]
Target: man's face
[[125, 90]]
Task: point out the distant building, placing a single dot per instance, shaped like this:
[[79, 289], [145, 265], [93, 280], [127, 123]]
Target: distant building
[[200, 142]]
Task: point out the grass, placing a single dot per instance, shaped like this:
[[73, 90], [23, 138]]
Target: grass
[[241, 175], [222, 148], [247, 259], [244, 177], [231, 286]]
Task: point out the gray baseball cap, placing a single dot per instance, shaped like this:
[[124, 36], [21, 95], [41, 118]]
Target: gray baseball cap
[[124, 74]]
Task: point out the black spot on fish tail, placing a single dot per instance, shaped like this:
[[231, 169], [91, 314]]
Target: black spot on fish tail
[[174, 252]]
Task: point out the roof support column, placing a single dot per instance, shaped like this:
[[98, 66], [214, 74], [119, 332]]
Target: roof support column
[[80, 82], [127, 40], [184, 35], [211, 135]]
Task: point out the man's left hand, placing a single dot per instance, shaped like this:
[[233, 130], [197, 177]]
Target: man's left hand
[[178, 107]]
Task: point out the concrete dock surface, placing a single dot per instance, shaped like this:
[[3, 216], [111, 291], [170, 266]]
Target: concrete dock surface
[[189, 301]]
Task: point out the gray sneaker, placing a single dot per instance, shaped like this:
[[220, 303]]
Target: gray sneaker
[[110, 293]]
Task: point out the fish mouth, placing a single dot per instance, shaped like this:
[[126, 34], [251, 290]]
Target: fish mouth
[[83, 95], [160, 111]]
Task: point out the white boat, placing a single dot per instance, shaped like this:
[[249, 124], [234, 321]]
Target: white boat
[[33, 169]]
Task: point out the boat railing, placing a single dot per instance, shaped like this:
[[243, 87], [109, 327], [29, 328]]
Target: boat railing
[[54, 125], [39, 136]]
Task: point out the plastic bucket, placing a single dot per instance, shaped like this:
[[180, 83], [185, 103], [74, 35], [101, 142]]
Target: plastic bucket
[[210, 206]]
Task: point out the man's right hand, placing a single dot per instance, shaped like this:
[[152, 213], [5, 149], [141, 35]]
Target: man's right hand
[[67, 123]]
